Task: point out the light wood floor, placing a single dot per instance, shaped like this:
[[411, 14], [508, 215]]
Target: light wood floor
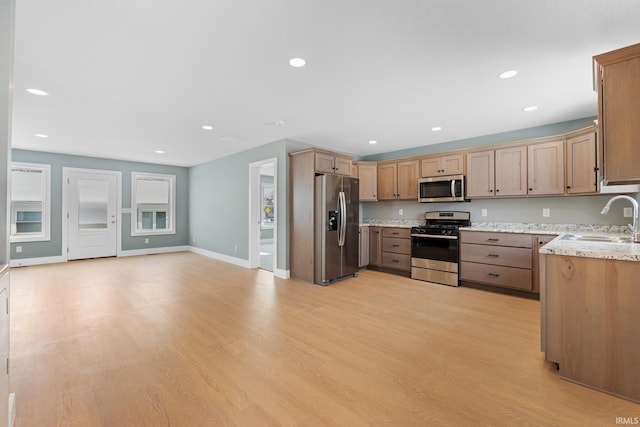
[[182, 340]]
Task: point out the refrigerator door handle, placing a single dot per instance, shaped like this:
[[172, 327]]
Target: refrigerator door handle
[[342, 228]]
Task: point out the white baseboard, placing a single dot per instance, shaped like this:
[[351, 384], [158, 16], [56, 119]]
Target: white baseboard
[[153, 251], [12, 409], [283, 274], [220, 257], [35, 261]]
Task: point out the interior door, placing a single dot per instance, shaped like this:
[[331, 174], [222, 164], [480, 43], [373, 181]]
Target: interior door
[[91, 214]]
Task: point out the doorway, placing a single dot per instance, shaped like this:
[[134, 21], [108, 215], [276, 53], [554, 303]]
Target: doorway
[[263, 216], [90, 203]]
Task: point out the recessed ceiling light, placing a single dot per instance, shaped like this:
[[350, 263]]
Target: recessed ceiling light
[[530, 108], [37, 92], [207, 127], [159, 151], [436, 128], [41, 135], [507, 74], [373, 142], [297, 62]]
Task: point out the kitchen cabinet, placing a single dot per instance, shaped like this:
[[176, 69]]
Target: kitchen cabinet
[[368, 175], [481, 174], [396, 249], [398, 180], [501, 172], [617, 81], [589, 323], [582, 164], [375, 246], [331, 163], [442, 165], [364, 247], [497, 259], [545, 168], [539, 240]]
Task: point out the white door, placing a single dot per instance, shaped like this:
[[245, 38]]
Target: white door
[[91, 199]]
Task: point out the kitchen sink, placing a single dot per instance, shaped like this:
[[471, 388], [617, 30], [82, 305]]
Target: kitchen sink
[[602, 239]]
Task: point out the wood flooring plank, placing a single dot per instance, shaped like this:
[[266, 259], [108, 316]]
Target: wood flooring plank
[[180, 339]]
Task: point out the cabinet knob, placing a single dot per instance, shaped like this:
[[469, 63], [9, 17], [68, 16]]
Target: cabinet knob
[[568, 186], [497, 190], [531, 189]]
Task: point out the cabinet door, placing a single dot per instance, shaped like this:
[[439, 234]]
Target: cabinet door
[[324, 163], [368, 175], [375, 246], [619, 111], [511, 171], [364, 247], [480, 174], [342, 165], [408, 174], [387, 181], [431, 166], [453, 165], [546, 168], [582, 164]]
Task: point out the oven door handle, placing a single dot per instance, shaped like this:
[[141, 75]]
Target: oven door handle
[[433, 236]]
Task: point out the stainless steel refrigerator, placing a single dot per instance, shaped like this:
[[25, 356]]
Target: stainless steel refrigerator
[[337, 220]]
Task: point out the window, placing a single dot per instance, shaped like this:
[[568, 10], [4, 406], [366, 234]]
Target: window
[[152, 204], [30, 202]]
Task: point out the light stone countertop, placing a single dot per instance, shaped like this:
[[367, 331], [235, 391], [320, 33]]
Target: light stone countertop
[[397, 223], [577, 248]]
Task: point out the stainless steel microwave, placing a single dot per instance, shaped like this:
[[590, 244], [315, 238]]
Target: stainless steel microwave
[[448, 188]]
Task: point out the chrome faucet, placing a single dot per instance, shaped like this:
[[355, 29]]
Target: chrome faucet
[[635, 233]]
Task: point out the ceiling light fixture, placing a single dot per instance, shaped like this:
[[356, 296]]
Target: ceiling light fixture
[[530, 108], [159, 151], [436, 128], [41, 135], [507, 74], [207, 127], [297, 62], [37, 92], [373, 142]]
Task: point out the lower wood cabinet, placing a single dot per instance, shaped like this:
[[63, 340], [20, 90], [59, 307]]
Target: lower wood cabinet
[[364, 247], [396, 248], [375, 246], [497, 259]]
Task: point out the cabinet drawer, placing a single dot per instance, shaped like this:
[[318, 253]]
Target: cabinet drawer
[[496, 275], [402, 233], [496, 255], [396, 261], [399, 246], [499, 239]]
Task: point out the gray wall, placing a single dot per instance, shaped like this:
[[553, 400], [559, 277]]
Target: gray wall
[[58, 161], [219, 201]]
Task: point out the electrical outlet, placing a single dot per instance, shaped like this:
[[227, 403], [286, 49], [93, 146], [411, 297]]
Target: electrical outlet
[[400, 212], [484, 212], [235, 248], [628, 212], [18, 249], [546, 212], [146, 240], [193, 239]]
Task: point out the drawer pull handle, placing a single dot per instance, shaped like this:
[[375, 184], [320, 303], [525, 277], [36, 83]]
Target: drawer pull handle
[[493, 255], [395, 246], [395, 260], [494, 275], [493, 240], [395, 234]]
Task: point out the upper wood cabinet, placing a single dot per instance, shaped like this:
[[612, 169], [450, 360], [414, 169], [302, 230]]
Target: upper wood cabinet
[[481, 174], [442, 165], [545, 168], [617, 81], [582, 164], [398, 180], [368, 175], [330, 163]]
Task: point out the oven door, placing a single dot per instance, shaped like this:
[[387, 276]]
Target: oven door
[[435, 247]]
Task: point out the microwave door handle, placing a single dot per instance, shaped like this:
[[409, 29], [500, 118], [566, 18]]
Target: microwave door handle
[[453, 188]]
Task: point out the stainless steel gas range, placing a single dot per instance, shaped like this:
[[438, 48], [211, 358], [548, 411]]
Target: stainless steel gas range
[[435, 248]]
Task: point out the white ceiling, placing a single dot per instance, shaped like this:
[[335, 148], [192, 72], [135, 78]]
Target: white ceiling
[[129, 77]]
